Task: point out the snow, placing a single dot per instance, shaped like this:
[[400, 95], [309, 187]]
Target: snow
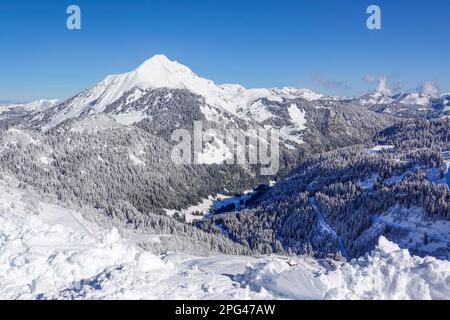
[[34, 106], [290, 133], [416, 99], [387, 273], [222, 201], [215, 150], [311, 96], [407, 99], [390, 273], [381, 148], [409, 227], [203, 207], [130, 117], [376, 98], [370, 183], [93, 124], [13, 137], [45, 160], [211, 113], [258, 112], [395, 179], [446, 157], [435, 174], [297, 117], [326, 228], [206, 206], [244, 97], [136, 95], [136, 160], [49, 252]]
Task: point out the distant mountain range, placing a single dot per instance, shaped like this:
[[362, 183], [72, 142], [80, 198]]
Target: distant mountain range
[[14, 112], [122, 96], [408, 105]]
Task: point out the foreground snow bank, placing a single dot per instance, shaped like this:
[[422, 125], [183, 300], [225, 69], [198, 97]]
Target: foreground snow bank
[[386, 273], [48, 252]]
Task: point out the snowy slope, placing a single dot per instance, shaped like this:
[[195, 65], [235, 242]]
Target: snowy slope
[[48, 252]]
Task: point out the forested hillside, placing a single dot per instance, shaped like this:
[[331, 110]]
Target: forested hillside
[[349, 188]]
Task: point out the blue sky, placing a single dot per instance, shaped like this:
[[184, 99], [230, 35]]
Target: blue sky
[[322, 45]]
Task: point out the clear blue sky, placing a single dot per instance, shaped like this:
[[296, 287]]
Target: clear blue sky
[[322, 45]]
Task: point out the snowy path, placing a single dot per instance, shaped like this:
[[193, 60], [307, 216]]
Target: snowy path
[[446, 157], [327, 228]]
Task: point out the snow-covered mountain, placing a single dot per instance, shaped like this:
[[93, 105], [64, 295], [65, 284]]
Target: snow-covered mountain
[[13, 113], [160, 72], [29, 107], [163, 95], [34, 106], [407, 105]]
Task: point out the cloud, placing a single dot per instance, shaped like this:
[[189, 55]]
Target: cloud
[[327, 83], [430, 87], [383, 85]]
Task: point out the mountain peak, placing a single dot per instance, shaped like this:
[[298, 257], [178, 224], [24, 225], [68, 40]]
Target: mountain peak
[[160, 71], [160, 58], [157, 60]]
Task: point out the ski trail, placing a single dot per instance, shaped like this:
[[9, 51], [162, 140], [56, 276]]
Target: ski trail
[[323, 224], [446, 158]]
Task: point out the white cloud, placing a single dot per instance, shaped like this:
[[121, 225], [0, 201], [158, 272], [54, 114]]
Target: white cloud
[[383, 86], [430, 87]]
